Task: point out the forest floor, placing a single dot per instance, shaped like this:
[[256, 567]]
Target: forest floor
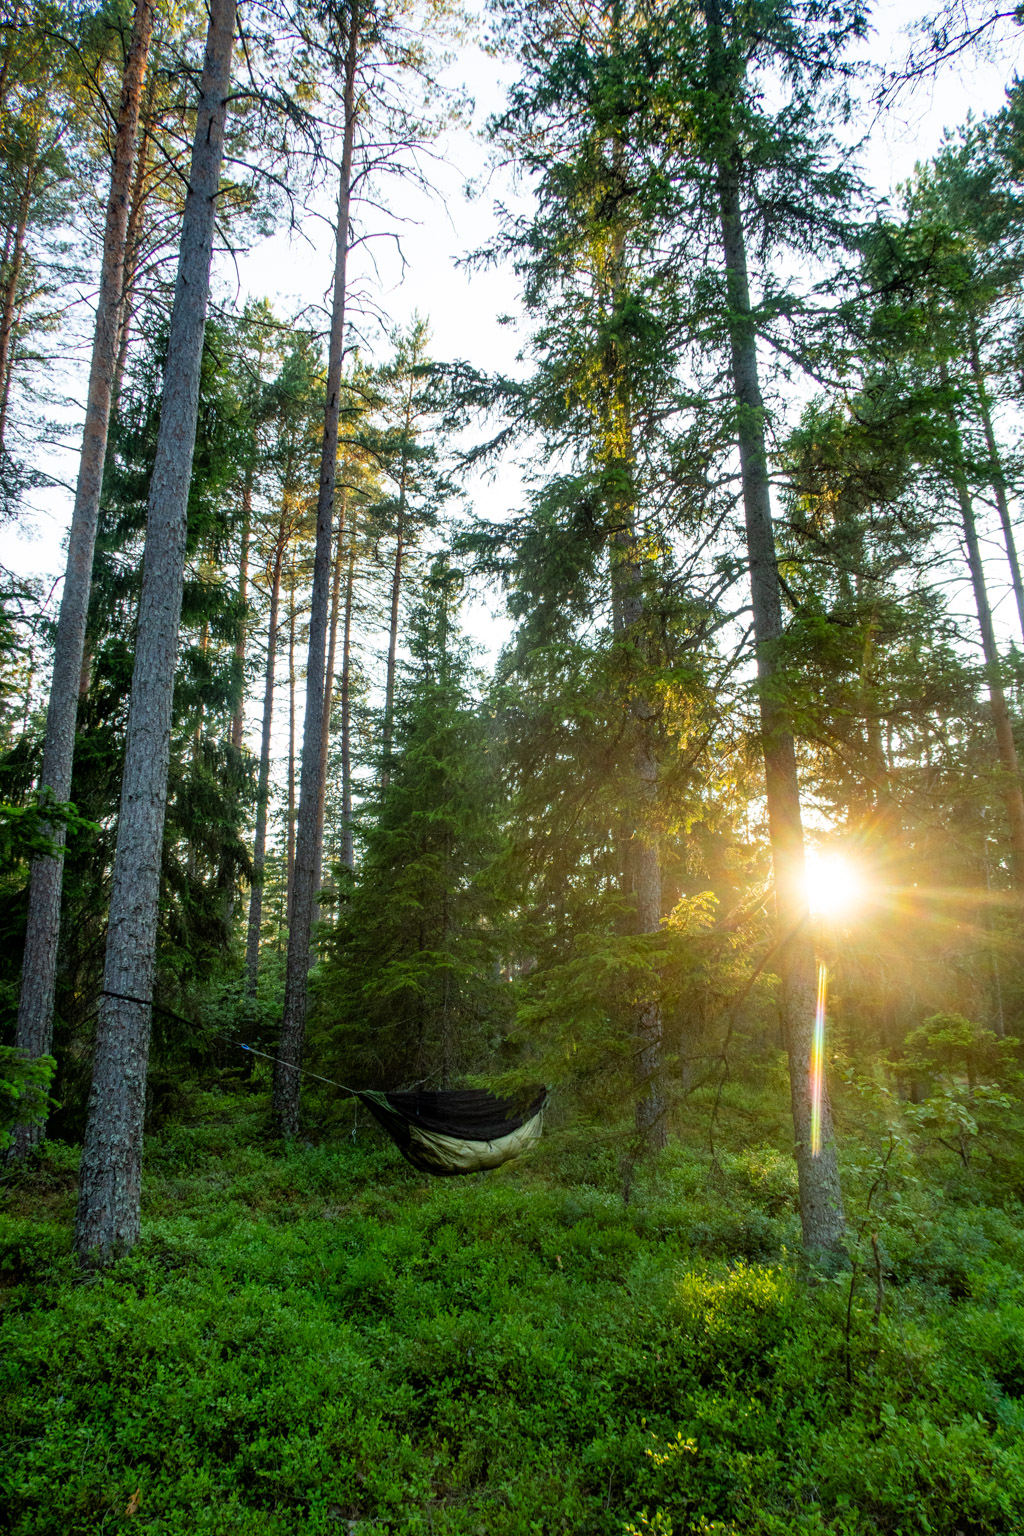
[[320, 1340]]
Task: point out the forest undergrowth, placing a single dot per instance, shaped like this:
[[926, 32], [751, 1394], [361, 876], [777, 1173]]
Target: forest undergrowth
[[318, 1339]]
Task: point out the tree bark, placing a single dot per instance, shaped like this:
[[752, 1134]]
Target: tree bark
[[641, 854], [10, 231], [252, 945], [238, 719], [7, 322], [396, 592], [286, 1078], [8, 376], [999, 1021], [996, 476], [325, 728], [110, 1187], [347, 848], [821, 1207], [290, 837], [133, 239], [389, 690], [39, 971]]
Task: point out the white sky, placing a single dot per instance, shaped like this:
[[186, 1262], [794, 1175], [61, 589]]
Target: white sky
[[463, 308]]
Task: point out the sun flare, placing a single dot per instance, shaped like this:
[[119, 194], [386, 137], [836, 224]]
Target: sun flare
[[835, 886]]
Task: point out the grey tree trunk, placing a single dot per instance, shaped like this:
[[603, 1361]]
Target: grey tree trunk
[[325, 728], [641, 861], [997, 477], [110, 1187], [821, 1207], [999, 1021], [389, 686], [296, 990], [252, 944], [347, 848], [39, 970], [238, 719], [290, 831], [396, 592]]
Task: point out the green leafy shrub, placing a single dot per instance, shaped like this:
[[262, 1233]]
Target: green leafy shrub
[[316, 1339]]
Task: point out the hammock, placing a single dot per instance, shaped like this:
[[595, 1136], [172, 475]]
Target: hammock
[[447, 1134]]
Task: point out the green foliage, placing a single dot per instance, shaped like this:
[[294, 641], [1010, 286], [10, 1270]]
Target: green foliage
[[971, 1089], [27, 831], [947, 1044], [23, 1091], [412, 986]]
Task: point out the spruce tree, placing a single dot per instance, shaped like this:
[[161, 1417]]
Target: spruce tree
[[621, 433], [412, 981]]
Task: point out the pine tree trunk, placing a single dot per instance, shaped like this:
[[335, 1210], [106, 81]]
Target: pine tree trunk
[[8, 376], [110, 1186], [30, 679], [389, 687], [821, 1208], [396, 592], [999, 1021], [1013, 797], [996, 476], [252, 945], [293, 1028], [325, 728], [238, 719], [347, 849], [877, 787], [290, 838], [640, 858], [85, 675], [133, 239], [10, 299], [9, 232], [39, 971]]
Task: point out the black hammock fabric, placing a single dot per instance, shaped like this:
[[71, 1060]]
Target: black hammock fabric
[[465, 1131]]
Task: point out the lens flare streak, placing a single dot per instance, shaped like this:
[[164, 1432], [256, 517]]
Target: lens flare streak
[[818, 1062]]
